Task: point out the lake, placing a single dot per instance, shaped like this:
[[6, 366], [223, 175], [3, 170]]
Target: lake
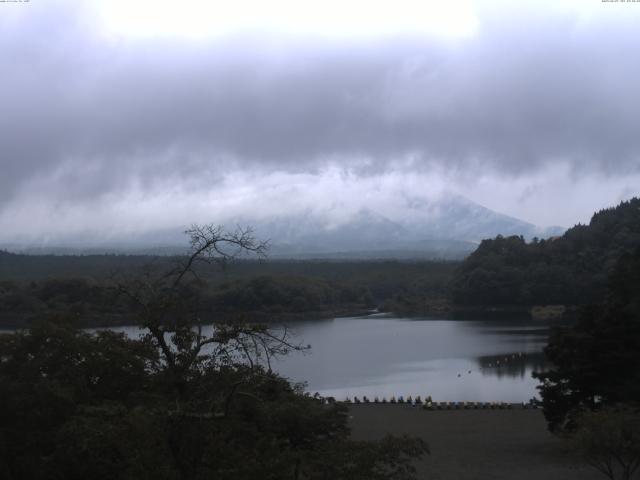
[[384, 355]]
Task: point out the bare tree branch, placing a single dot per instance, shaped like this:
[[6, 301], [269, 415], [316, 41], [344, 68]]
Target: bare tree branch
[[172, 319]]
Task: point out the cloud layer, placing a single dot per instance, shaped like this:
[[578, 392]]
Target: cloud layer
[[89, 117]]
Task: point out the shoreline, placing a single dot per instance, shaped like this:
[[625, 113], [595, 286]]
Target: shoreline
[[451, 311], [11, 321], [435, 406]]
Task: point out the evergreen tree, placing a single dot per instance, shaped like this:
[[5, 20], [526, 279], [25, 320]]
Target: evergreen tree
[[596, 361]]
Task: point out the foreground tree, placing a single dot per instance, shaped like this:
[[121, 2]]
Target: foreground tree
[[592, 394], [189, 400], [609, 440], [596, 361]]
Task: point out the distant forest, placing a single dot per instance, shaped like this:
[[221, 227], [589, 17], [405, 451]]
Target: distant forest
[[83, 287], [571, 269], [503, 272]]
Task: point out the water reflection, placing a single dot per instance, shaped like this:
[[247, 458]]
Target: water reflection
[[514, 364]]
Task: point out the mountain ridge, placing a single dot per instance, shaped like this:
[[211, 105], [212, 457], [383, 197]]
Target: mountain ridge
[[449, 228]]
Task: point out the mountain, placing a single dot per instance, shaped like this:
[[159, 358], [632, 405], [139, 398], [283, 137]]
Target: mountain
[[457, 217], [448, 228]]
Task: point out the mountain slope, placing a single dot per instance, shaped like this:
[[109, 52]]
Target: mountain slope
[[455, 216], [451, 227], [448, 228]]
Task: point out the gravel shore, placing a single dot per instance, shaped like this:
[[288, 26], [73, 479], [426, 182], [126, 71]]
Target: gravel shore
[[476, 444]]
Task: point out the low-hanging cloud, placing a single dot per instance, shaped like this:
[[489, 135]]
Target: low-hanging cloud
[[88, 116]]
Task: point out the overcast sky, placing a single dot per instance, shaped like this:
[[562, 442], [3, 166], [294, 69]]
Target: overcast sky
[[125, 116]]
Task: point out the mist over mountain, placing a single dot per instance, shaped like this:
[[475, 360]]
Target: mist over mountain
[[449, 227]]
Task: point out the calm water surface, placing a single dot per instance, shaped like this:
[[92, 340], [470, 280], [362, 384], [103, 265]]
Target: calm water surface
[[481, 360], [451, 360]]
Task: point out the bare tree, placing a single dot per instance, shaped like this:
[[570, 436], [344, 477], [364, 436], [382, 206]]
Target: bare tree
[[167, 307]]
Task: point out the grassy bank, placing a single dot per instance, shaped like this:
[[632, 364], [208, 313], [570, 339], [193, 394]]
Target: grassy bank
[[475, 444]]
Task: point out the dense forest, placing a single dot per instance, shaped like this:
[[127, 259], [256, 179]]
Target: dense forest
[[591, 392], [596, 360], [99, 304], [571, 269], [83, 287]]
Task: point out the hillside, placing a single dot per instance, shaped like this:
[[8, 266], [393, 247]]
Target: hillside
[[571, 269]]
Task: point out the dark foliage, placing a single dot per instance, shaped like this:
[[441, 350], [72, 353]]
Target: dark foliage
[[570, 270], [268, 290], [596, 361], [288, 294], [609, 440], [75, 405], [180, 402]]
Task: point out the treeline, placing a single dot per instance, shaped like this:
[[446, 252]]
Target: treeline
[[571, 269], [100, 304], [91, 303], [84, 287], [21, 268], [268, 294], [384, 278]]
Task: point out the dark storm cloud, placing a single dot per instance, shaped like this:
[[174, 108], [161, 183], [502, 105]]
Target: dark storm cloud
[[93, 114]]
